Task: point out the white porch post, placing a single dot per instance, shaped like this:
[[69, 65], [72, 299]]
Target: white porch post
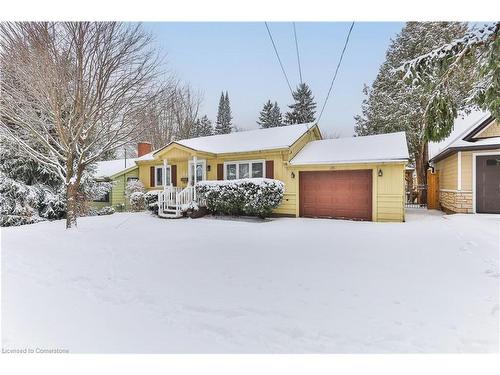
[[165, 164], [194, 172]]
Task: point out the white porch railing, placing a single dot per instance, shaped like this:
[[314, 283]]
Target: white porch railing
[[185, 197], [173, 200]]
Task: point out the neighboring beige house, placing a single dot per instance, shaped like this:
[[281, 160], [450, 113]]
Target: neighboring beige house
[[468, 166]]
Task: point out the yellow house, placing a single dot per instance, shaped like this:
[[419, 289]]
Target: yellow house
[[356, 178], [468, 166]]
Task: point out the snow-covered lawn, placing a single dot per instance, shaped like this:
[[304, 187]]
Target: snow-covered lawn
[[135, 283]]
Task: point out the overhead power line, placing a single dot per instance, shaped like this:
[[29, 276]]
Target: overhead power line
[[278, 56], [297, 49], [336, 71]]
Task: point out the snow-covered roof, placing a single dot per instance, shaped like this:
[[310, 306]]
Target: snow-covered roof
[[461, 127], [109, 168], [148, 156], [368, 149], [247, 141]]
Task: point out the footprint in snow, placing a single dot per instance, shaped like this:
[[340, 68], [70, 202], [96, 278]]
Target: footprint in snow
[[492, 273]]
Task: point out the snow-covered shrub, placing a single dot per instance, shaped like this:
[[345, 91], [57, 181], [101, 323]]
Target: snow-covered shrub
[[249, 196], [107, 210], [25, 204], [137, 201], [151, 200], [92, 211], [52, 205], [134, 186], [29, 192], [18, 203]]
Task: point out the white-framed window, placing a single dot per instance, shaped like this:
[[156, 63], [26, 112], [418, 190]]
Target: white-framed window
[[201, 171], [159, 175], [234, 170]]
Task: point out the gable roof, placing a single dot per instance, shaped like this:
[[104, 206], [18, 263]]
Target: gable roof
[[109, 168], [462, 136], [244, 141], [369, 149]]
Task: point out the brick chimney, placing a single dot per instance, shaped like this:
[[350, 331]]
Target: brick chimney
[[143, 148]]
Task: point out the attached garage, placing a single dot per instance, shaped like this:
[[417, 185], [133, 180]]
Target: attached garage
[[488, 184], [358, 178], [336, 194]]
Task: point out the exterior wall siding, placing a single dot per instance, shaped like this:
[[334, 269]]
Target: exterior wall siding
[[447, 169], [492, 130], [118, 192]]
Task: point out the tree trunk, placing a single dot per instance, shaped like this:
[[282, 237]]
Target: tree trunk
[[72, 197], [421, 162], [71, 204]]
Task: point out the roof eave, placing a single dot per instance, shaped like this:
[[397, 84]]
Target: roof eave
[[124, 171], [451, 150], [374, 161]]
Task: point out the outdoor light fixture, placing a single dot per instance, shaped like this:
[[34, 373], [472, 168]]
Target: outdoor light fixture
[[293, 175], [380, 173], [208, 167]]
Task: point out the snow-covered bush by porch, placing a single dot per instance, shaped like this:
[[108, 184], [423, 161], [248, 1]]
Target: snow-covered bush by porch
[[249, 196], [151, 200], [137, 201]]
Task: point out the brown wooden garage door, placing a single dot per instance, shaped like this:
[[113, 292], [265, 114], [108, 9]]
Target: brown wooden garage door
[[336, 194], [488, 184]]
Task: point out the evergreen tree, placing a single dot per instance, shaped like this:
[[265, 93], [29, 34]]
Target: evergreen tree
[[202, 127], [304, 108], [276, 117], [270, 116], [391, 106], [223, 124], [228, 113], [474, 57], [265, 115]]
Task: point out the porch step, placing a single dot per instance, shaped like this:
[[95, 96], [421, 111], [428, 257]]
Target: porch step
[[169, 214]]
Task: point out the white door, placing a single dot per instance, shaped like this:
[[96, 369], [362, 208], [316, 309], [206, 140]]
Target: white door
[[201, 173]]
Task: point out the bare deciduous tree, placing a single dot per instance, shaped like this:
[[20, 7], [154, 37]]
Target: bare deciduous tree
[[170, 115], [75, 89]]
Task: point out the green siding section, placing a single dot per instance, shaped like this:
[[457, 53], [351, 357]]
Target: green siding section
[[118, 191]]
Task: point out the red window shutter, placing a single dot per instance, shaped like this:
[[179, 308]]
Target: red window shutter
[[152, 176], [173, 170], [220, 171], [269, 168]]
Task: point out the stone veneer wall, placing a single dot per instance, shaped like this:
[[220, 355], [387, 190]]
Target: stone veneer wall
[[454, 201]]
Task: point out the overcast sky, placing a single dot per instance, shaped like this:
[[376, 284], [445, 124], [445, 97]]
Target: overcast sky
[[239, 58]]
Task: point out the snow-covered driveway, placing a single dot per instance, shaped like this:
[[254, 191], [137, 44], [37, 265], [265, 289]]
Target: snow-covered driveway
[[135, 283]]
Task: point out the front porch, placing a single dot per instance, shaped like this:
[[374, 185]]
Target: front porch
[[179, 193]]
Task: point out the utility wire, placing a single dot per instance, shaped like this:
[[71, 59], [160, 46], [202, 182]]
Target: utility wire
[[297, 49], [278, 56], [336, 71]]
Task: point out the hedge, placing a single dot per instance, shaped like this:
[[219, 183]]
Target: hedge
[[249, 196]]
